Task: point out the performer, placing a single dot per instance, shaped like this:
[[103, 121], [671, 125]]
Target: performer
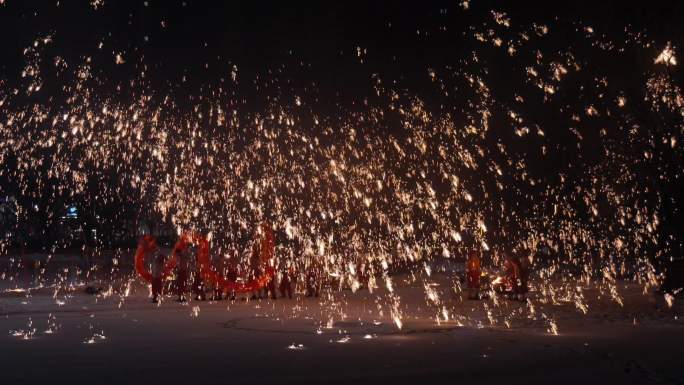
[[313, 279], [287, 280], [522, 288], [255, 266], [217, 291], [516, 278], [157, 274], [198, 284], [473, 272], [183, 267], [233, 273], [270, 289]]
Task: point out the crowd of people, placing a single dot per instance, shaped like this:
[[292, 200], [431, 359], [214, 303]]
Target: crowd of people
[[189, 280]]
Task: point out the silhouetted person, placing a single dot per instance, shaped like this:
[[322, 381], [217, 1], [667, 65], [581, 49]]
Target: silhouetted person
[[255, 267], [516, 277], [183, 255], [198, 285], [287, 282], [473, 271], [157, 276], [313, 279]]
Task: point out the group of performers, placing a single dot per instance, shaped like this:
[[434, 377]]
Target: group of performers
[[263, 275], [512, 284]]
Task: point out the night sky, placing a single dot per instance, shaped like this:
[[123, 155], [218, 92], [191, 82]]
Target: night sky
[[176, 38]]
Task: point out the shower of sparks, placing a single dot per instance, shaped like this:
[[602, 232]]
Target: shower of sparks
[[667, 57], [96, 4], [353, 199]]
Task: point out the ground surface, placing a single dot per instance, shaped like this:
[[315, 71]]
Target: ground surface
[[310, 341]]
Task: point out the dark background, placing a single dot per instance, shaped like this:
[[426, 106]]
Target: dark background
[[263, 35]]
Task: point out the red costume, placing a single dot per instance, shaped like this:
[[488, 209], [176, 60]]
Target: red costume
[[516, 277], [473, 270]]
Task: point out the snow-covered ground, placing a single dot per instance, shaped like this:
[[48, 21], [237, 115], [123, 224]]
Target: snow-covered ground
[[350, 338]]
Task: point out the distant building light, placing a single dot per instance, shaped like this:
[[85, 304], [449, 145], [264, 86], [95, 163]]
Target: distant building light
[[72, 212]]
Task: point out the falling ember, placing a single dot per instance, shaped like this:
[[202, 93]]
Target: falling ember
[[667, 56], [553, 328], [16, 290], [397, 321], [95, 4]]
